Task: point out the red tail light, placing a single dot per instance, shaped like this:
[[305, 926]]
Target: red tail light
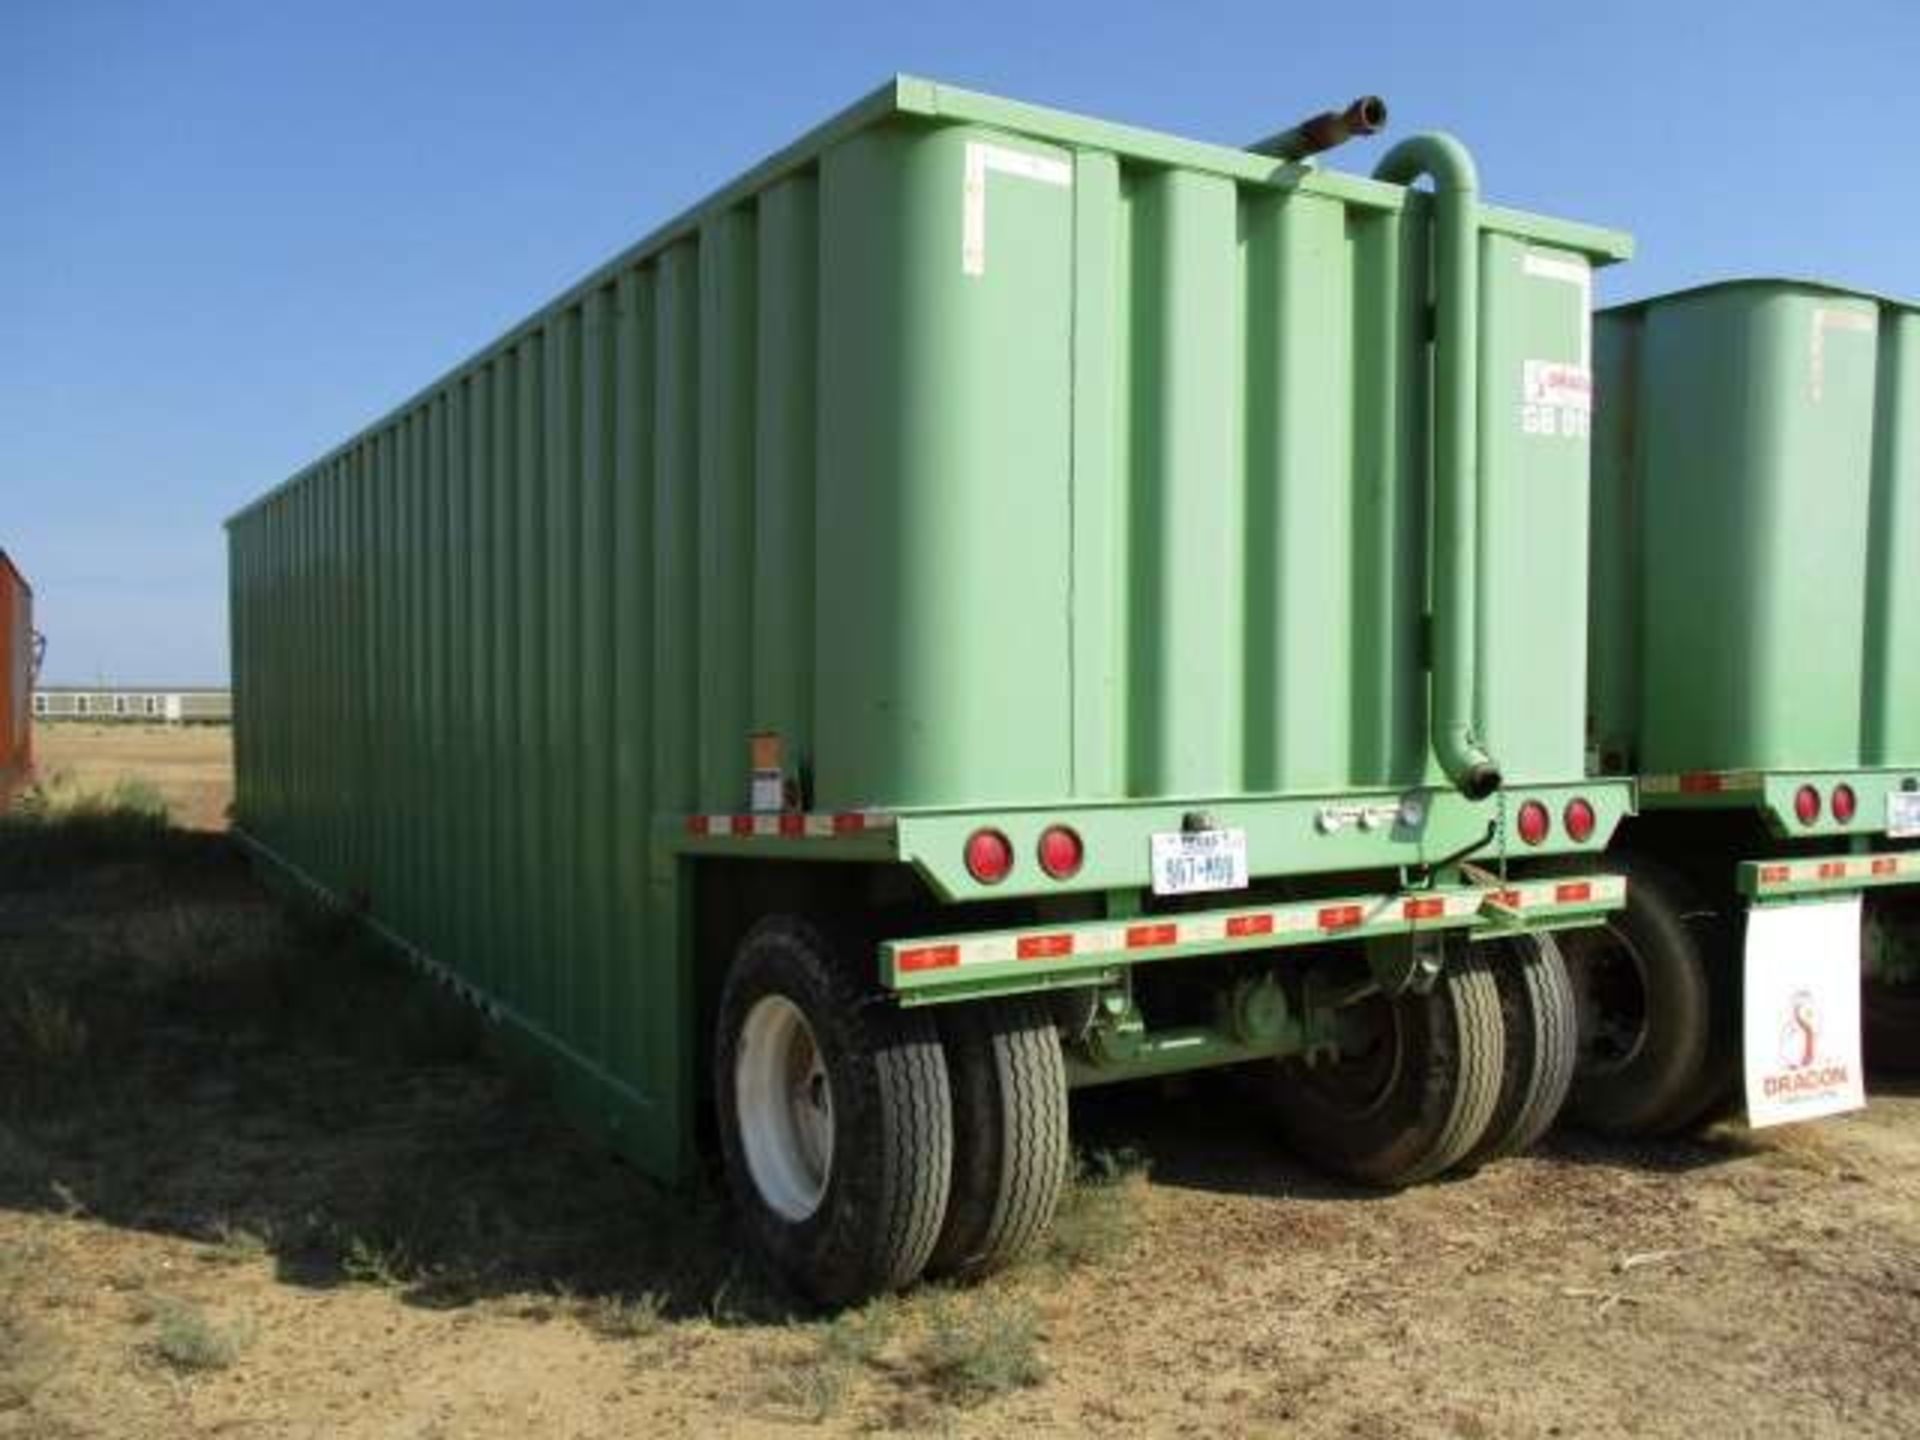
[[989, 856], [1579, 819], [1060, 852], [1806, 804], [1843, 803], [1533, 822]]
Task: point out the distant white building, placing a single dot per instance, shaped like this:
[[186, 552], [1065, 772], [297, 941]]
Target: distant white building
[[153, 704]]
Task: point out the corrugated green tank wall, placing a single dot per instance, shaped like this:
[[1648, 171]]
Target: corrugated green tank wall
[[984, 453], [1757, 530]]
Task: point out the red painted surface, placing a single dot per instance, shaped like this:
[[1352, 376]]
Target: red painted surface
[[16, 678]]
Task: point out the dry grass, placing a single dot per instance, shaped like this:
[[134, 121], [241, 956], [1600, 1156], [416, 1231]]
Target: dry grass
[[31, 1352], [191, 767], [219, 1112], [181, 1052]]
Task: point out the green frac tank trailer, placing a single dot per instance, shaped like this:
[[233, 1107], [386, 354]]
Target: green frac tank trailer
[[1756, 665], [994, 602]]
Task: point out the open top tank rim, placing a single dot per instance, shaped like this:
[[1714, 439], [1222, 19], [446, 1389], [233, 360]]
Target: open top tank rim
[[931, 100], [1762, 282]]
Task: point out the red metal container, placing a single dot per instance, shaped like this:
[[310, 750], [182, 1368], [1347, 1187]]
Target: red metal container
[[16, 678]]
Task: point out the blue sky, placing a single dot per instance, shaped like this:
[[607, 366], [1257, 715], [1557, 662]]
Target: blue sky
[[230, 234]]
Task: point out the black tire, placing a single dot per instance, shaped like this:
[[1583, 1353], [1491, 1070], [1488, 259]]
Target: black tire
[[1890, 1010], [1540, 1047], [1010, 1148], [1645, 992], [888, 1126], [1720, 1093], [1890, 1026], [1411, 1104]]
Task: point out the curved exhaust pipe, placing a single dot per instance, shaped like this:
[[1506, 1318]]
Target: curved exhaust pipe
[[1456, 458], [1365, 116]]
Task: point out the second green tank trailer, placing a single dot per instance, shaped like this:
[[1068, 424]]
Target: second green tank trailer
[[1756, 664], [991, 601]]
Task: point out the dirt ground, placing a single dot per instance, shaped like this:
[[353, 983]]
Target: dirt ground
[[255, 1181]]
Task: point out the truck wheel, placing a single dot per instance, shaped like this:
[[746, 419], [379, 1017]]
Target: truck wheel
[[1890, 1016], [1010, 1149], [1645, 1002], [1720, 1092], [1539, 1028], [835, 1121], [1889, 1008], [1415, 1085]]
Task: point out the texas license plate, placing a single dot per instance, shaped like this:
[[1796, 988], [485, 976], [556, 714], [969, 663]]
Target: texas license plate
[[1903, 814], [1190, 862]]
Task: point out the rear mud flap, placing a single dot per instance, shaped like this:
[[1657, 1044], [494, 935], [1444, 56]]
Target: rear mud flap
[[1801, 1021]]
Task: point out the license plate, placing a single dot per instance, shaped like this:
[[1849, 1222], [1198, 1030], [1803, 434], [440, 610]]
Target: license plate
[[1903, 814], [1802, 1011], [1192, 862]]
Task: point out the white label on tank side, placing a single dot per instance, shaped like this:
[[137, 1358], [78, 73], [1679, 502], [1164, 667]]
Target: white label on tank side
[[1859, 322], [1801, 1023], [1556, 396], [982, 160]]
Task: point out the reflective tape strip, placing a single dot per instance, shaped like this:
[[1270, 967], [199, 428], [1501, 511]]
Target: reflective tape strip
[[1776, 874], [790, 825], [1553, 894], [1700, 782], [1143, 936]]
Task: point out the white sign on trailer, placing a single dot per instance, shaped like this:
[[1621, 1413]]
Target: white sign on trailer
[[1802, 1021]]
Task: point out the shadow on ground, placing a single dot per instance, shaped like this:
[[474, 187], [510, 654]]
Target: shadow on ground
[[182, 1053]]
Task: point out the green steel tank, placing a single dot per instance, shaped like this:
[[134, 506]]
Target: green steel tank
[[989, 602], [1756, 613]]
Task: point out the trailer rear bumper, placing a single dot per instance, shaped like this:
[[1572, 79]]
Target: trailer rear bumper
[[1348, 832], [929, 969], [1885, 802], [1803, 875]]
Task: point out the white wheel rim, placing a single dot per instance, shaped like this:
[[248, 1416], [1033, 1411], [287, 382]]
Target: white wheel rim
[[784, 1108]]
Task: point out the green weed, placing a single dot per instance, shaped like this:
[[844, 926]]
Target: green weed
[[188, 1340], [234, 1245], [618, 1317], [980, 1348]]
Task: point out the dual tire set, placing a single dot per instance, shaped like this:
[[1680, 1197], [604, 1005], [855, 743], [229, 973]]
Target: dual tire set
[[1475, 1068], [866, 1145]]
